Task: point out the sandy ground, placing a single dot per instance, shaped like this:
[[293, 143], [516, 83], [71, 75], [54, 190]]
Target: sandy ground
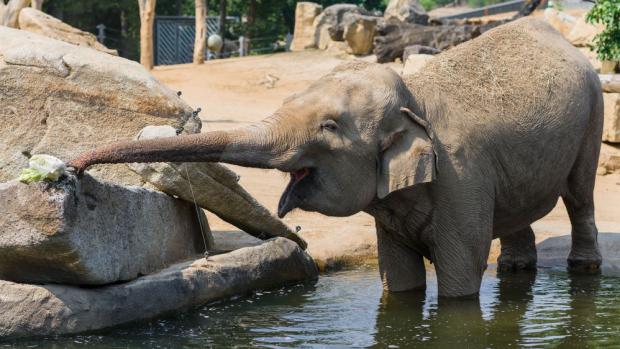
[[234, 92]]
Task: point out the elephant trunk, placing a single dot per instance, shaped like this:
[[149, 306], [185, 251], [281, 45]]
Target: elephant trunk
[[248, 146]]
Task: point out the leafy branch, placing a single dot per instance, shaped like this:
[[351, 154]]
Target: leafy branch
[[606, 43]]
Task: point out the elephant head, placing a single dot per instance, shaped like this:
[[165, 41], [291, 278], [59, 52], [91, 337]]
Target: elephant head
[[350, 138]]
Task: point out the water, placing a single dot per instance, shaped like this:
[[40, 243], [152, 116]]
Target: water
[[349, 309]]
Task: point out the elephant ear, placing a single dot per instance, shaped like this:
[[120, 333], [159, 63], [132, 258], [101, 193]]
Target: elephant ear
[[407, 156]]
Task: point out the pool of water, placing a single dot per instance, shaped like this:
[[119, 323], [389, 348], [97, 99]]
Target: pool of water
[[349, 309]]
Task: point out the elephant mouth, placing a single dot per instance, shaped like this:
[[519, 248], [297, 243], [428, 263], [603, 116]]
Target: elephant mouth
[[289, 198]]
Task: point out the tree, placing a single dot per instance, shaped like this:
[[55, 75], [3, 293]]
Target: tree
[[37, 4], [147, 17], [10, 12], [607, 42], [200, 41], [222, 23]]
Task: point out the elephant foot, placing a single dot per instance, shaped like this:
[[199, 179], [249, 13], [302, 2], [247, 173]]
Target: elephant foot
[[588, 262], [516, 262], [584, 266], [518, 251]]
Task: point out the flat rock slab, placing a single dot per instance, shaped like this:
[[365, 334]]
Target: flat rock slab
[[86, 232], [61, 99], [552, 252], [29, 310], [214, 187], [39, 22]]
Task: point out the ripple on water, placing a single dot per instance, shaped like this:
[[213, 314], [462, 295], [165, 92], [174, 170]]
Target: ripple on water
[[349, 309]]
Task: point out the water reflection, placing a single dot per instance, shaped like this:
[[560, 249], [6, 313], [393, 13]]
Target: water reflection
[[406, 319], [350, 309]]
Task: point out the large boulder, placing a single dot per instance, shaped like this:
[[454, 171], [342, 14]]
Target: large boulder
[[560, 21], [86, 232], [32, 310], [415, 63], [610, 83], [214, 187], [409, 11], [61, 99], [582, 33], [611, 128], [304, 37], [359, 32], [328, 25], [35, 21], [552, 252], [609, 160]]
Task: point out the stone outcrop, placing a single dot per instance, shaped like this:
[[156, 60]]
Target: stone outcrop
[[304, 36], [86, 232], [552, 252], [61, 99], [610, 83], [406, 11], [609, 160], [328, 25], [559, 20], [213, 187], [582, 33], [31, 310], [415, 63], [359, 32], [35, 21], [611, 128]]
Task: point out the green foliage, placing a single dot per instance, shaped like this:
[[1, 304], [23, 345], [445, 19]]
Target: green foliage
[[606, 43]]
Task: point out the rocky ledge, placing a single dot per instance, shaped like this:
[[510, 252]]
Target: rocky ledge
[[32, 310]]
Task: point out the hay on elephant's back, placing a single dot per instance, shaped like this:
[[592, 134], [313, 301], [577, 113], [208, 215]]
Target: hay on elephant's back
[[506, 69]]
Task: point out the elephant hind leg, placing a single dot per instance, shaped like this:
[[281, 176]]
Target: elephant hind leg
[[518, 251], [579, 201], [401, 267]]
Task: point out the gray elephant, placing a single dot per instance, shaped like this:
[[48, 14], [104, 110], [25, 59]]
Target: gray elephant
[[478, 145]]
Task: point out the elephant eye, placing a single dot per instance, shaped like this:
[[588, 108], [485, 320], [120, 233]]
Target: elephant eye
[[329, 125]]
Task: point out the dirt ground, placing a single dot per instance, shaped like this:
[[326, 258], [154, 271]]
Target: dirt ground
[[234, 92]]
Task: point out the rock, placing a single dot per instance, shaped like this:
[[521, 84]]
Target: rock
[[611, 128], [415, 63], [552, 252], [610, 82], [609, 160], [35, 21], [86, 232], [359, 32], [582, 33], [328, 25], [609, 67], [234, 240], [304, 36], [61, 99], [214, 187], [31, 310], [560, 21], [417, 50], [406, 11]]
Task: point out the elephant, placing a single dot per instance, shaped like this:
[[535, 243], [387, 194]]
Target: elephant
[[479, 144]]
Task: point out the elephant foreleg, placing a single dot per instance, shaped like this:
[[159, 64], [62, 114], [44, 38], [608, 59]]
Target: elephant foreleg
[[462, 234], [401, 267], [518, 251]]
